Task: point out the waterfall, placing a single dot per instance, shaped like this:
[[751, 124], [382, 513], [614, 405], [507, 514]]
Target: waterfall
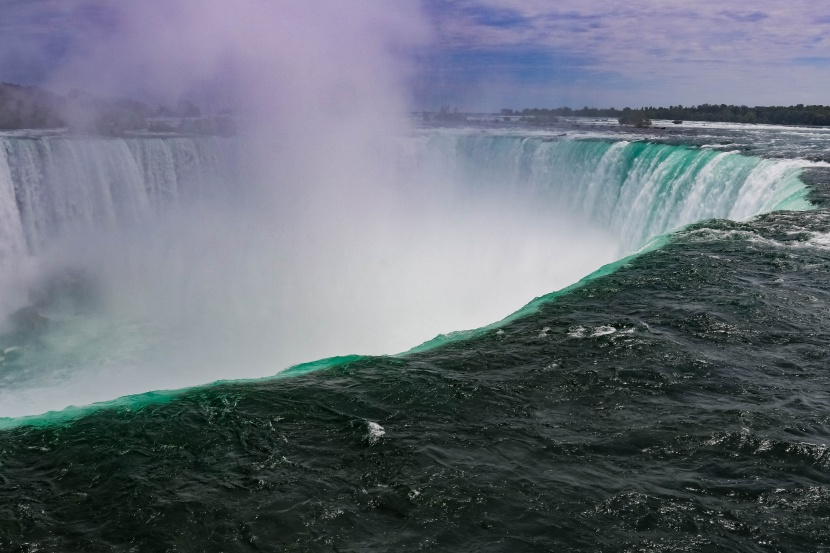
[[52, 185], [636, 190], [195, 286]]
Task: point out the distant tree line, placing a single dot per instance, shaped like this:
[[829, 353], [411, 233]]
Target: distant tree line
[[772, 115], [448, 114], [30, 107]]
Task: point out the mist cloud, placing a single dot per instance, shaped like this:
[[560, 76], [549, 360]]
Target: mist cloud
[[337, 235], [325, 53]]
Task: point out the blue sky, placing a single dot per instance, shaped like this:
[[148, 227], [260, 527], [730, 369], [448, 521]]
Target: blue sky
[[488, 54]]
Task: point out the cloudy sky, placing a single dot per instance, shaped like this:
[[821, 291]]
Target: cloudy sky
[[487, 54], [524, 53]]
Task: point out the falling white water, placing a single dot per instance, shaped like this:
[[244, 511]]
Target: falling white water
[[196, 279]]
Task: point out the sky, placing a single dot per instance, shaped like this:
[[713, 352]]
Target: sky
[[483, 55], [545, 53]]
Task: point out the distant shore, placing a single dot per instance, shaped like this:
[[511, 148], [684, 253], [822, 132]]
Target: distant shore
[[79, 112], [801, 115]]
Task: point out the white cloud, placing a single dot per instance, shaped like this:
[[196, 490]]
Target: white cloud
[[708, 49]]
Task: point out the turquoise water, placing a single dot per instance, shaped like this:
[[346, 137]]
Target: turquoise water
[[676, 399], [149, 286]]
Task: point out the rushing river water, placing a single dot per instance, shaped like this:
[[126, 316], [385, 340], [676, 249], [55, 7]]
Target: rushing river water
[[675, 399]]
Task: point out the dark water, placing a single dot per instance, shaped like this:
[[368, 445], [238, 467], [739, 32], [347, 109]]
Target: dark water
[[681, 403]]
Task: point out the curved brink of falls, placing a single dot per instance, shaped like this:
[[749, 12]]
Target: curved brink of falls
[[639, 191], [636, 192]]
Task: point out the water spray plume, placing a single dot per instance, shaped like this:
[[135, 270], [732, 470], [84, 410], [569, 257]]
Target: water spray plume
[[326, 227]]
